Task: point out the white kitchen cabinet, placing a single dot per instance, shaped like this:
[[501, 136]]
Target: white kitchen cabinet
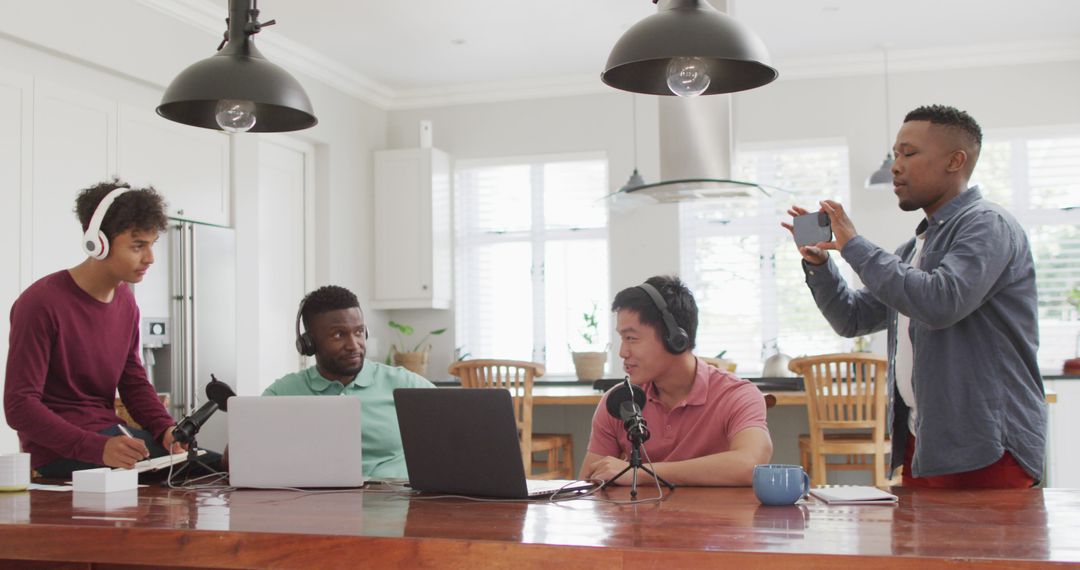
[[412, 229], [1063, 463], [188, 166]]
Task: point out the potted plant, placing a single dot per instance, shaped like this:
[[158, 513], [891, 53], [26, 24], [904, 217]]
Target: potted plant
[[416, 357], [589, 363]]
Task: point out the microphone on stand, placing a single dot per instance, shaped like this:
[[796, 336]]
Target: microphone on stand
[[218, 393], [625, 402]]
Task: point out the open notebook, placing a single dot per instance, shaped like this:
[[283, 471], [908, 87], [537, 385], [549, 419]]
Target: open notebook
[[163, 462], [854, 495]]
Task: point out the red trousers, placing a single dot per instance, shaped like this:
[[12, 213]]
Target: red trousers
[[1005, 473]]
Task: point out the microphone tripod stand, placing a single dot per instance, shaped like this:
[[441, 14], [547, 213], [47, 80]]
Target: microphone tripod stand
[[638, 434], [188, 468]]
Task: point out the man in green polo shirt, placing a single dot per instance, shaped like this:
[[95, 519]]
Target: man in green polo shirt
[[337, 337]]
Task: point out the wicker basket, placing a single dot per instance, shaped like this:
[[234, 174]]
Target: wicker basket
[[589, 365], [413, 361]]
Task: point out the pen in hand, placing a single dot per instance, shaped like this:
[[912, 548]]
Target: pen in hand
[[124, 430]]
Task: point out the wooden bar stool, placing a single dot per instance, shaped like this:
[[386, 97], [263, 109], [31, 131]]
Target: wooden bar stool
[[517, 376]]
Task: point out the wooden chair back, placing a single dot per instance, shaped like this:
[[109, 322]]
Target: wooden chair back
[[845, 393], [514, 375]]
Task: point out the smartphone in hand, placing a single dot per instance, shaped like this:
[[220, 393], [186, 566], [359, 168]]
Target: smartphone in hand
[[811, 229]]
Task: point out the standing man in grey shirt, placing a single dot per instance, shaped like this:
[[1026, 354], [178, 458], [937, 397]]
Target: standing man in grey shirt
[[966, 401]]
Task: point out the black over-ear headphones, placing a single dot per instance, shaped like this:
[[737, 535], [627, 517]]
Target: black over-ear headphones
[[675, 338], [304, 343]]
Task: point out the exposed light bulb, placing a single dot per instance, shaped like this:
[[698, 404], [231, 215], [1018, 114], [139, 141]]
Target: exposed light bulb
[[687, 77], [235, 116]]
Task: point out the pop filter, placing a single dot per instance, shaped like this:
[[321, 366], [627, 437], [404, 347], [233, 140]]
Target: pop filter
[[623, 398], [218, 393]]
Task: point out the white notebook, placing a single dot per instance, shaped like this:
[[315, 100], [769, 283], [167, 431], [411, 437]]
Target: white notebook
[[854, 495], [163, 462]]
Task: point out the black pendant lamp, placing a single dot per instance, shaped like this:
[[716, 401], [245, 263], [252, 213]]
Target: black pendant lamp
[[237, 89], [882, 178], [688, 48]]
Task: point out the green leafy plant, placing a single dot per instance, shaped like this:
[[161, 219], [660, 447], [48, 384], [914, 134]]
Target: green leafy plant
[[590, 332], [405, 331], [1073, 297]]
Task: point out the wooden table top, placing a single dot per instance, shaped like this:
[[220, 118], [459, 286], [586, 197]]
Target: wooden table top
[[585, 395], [694, 527]]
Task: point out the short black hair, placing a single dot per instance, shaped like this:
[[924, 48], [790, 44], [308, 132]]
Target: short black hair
[[142, 209], [325, 299], [949, 117], [680, 302]]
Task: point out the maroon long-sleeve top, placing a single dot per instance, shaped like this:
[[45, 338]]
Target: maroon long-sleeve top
[[69, 355]]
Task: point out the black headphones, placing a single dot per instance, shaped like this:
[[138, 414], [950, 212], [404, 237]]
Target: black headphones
[[676, 341], [305, 344]]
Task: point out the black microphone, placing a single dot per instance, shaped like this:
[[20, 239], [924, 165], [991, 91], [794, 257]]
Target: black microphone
[[219, 393], [624, 393], [625, 402]]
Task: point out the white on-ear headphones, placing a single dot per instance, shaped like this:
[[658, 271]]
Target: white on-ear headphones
[[95, 243]]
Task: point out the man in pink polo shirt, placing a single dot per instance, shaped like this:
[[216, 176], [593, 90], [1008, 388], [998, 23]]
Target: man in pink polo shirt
[[708, 426]]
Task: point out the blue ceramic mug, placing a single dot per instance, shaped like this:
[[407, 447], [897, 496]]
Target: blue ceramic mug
[[776, 484]]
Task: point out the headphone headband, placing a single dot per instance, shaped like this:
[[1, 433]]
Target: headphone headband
[[675, 338], [95, 242]]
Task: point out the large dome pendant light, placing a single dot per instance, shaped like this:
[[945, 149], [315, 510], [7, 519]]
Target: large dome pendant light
[[882, 178], [688, 48], [237, 89]]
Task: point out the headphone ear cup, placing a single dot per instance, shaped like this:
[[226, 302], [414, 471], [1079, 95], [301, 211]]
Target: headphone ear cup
[[678, 341], [97, 246], [305, 345]]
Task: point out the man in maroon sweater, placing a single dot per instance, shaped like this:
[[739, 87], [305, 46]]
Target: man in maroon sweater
[[75, 343]]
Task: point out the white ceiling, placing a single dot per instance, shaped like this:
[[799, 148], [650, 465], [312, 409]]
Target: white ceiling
[[397, 50]]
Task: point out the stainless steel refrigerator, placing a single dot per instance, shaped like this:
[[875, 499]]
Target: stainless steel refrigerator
[[188, 305]]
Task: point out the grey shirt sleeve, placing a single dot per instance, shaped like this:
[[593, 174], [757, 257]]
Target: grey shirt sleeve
[[958, 282], [850, 313]]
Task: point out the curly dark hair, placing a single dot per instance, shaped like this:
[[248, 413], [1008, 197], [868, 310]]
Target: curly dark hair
[[949, 117], [676, 294], [142, 209], [324, 299]]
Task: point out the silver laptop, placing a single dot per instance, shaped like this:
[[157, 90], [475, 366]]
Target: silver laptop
[[464, 441], [294, 441]]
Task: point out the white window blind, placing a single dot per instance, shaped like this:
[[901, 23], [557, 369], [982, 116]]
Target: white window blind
[[743, 267], [531, 256], [1036, 175]]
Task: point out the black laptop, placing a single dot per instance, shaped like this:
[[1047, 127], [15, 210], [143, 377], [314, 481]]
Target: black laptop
[[464, 442]]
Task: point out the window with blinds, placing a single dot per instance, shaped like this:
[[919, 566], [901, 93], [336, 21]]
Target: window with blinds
[[743, 267], [531, 256], [1036, 175]]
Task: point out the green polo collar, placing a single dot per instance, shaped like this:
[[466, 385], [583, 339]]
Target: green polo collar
[[319, 384]]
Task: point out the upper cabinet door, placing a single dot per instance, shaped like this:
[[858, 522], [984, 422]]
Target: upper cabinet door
[[412, 229], [74, 148], [189, 166]]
